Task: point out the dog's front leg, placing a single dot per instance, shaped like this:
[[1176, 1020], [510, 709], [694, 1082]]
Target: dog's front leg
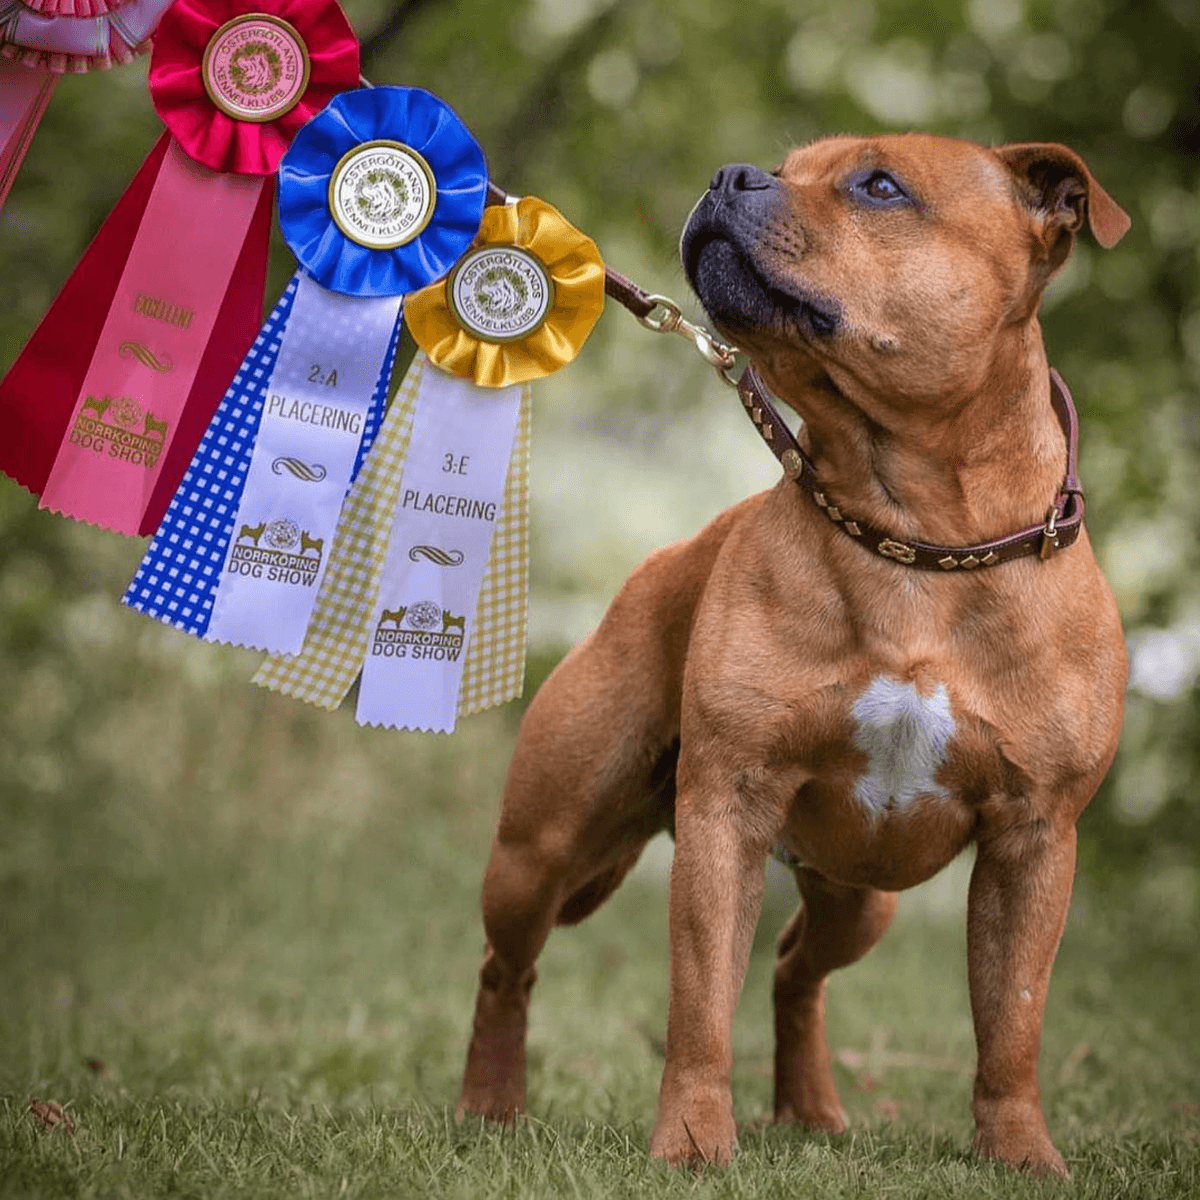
[[1020, 890], [716, 896]]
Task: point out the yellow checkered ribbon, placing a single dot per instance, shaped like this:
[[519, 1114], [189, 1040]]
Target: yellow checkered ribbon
[[494, 668], [339, 631]]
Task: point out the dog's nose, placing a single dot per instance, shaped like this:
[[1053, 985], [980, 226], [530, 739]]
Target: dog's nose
[[740, 177]]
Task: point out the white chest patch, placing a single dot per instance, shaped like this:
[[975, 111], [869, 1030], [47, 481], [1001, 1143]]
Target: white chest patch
[[905, 736]]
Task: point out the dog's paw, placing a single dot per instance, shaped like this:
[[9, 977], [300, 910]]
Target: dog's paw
[[696, 1134], [500, 1108], [822, 1118], [493, 1085], [1023, 1145]]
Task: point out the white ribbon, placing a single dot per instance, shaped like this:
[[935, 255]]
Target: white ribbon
[[316, 406], [450, 496]]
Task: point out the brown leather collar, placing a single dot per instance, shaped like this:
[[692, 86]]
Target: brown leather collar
[[1064, 519]]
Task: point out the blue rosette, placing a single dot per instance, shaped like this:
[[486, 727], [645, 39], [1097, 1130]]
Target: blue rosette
[[382, 192]]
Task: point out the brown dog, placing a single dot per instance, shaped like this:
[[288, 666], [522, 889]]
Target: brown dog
[[773, 681]]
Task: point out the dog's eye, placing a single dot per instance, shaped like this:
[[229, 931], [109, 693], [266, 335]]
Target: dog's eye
[[880, 187]]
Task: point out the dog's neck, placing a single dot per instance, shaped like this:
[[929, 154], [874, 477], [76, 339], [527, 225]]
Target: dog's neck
[[992, 465]]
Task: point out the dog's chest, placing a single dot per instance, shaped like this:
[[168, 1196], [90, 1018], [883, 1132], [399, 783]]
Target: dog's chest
[[884, 806], [906, 737]]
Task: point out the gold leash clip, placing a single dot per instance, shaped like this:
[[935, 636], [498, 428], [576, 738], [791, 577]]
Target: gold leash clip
[[667, 317]]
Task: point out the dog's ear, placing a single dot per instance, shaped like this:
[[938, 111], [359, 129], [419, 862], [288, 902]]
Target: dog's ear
[[1054, 182]]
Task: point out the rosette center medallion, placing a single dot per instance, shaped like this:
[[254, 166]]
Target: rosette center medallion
[[255, 68], [282, 534], [382, 194], [500, 294], [424, 615]]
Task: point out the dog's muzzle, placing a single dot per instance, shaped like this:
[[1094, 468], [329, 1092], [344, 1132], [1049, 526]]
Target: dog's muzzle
[[721, 250]]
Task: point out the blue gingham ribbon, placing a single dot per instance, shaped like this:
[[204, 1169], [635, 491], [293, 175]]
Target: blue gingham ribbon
[[176, 582]]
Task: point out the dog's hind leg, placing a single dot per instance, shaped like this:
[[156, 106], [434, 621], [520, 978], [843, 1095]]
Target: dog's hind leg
[[835, 926], [580, 804]]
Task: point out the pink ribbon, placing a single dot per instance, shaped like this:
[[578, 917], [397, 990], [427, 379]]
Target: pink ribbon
[[42, 401], [74, 8], [41, 39], [150, 348], [56, 39]]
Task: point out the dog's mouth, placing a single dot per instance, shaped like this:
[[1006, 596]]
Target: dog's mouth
[[741, 297]]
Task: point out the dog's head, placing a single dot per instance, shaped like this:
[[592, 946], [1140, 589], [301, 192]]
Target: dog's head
[[895, 265]]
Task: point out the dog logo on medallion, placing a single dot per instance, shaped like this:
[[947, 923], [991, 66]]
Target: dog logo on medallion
[[382, 194], [500, 293], [433, 632], [255, 68]]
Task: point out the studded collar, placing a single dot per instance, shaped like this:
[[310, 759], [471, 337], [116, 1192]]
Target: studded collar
[[1064, 518]]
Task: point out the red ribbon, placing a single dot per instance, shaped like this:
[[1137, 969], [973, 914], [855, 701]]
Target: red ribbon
[[37, 398], [87, 418]]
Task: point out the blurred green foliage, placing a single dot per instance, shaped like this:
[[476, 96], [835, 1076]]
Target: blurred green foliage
[[618, 111]]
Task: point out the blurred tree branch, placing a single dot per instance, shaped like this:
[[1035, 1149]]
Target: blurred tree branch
[[542, 106], [373, 43]]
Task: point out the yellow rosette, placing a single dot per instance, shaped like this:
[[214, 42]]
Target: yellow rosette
[[518, 305]]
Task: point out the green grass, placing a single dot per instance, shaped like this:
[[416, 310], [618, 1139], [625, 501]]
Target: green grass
[[244, 960]]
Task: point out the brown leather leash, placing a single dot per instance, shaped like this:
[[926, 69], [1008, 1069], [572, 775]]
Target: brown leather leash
[[1064, 518], [623, 290]]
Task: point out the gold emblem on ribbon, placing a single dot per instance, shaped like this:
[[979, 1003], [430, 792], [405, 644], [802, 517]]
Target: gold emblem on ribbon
[[382, 194], [255, 67], [146, 357], [120, 428], [500, 293], [493, 320]]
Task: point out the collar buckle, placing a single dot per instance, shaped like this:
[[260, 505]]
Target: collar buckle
[[1049, 534]]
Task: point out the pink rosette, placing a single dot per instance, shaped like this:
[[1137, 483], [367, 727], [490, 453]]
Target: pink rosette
[[74, 8], [39, 44], [235, 79], [48, 36]]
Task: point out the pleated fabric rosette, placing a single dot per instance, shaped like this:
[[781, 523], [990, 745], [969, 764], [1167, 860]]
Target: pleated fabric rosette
[[40, 40], [378, 194], [426, 593], [102, 411]]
